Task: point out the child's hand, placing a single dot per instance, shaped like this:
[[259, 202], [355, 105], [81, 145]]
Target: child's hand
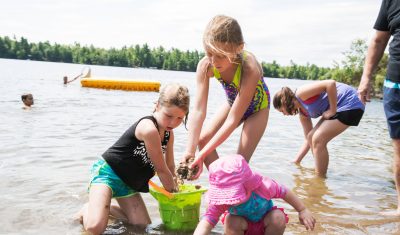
[[186, 157], [176, 188], [307, 219], [176, 184], [197, 163], [184, 171], [328, 114]]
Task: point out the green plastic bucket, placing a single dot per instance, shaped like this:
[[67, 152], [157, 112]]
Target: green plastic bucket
[[182, 212]]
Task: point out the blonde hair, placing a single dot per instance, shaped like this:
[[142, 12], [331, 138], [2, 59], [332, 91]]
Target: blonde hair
[[176, 95], [285, 98], [223, 35]]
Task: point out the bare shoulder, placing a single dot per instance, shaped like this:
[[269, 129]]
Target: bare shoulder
[[315, 88], [145, 129], [300, 90], [251, 65], [303, 92]]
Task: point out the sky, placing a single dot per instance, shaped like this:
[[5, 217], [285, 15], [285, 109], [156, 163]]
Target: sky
[[302, 31]]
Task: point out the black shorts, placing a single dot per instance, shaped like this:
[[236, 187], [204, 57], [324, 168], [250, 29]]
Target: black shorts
[[349, 117]]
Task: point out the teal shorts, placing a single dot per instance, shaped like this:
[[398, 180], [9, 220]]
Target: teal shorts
[[103, 174]]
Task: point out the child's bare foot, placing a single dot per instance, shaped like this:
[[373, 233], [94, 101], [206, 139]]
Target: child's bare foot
[[295, 161]]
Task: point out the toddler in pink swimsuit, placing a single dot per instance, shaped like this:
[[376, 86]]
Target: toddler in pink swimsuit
[[244, 198]]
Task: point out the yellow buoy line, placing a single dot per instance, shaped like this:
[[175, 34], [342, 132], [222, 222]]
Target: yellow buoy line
[[118, 84], [121, 84]]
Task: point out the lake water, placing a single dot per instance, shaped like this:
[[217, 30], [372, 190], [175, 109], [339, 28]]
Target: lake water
[[46, 153]]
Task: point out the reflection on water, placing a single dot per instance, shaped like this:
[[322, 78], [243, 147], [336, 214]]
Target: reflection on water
[[47, 152]]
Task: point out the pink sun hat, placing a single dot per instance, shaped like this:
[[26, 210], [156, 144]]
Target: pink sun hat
[[231, 181]]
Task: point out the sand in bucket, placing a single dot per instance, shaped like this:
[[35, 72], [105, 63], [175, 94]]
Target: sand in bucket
[[182, 212]]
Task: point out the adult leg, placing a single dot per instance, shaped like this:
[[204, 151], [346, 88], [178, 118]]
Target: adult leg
[[396, 176], [396, 170], [391, 104], [325, 132], [135, 209], [210, 130], [275, 222], [95, 214], [235, 224], [253, 130]]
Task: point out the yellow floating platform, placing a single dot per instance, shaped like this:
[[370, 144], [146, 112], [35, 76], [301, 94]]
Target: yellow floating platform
[[121, 84]]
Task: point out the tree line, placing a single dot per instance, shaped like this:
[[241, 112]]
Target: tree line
[[133, 56], [349, 70]]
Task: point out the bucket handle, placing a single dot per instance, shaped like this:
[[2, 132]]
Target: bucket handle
[[161, 190]]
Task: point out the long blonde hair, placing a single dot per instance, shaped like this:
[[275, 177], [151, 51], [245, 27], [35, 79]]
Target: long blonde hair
[[223, 35]]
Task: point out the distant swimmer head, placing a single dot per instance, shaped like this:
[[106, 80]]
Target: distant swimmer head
[[27, 99]]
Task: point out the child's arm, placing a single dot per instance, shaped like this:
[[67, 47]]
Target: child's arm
[[203, 228], [328, 86], [307, 125], [169, 154], [147, 132], [210, 219], [305, 216], [198, 113]]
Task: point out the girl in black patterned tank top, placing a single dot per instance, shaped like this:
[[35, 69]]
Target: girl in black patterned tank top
[[126, 167]]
